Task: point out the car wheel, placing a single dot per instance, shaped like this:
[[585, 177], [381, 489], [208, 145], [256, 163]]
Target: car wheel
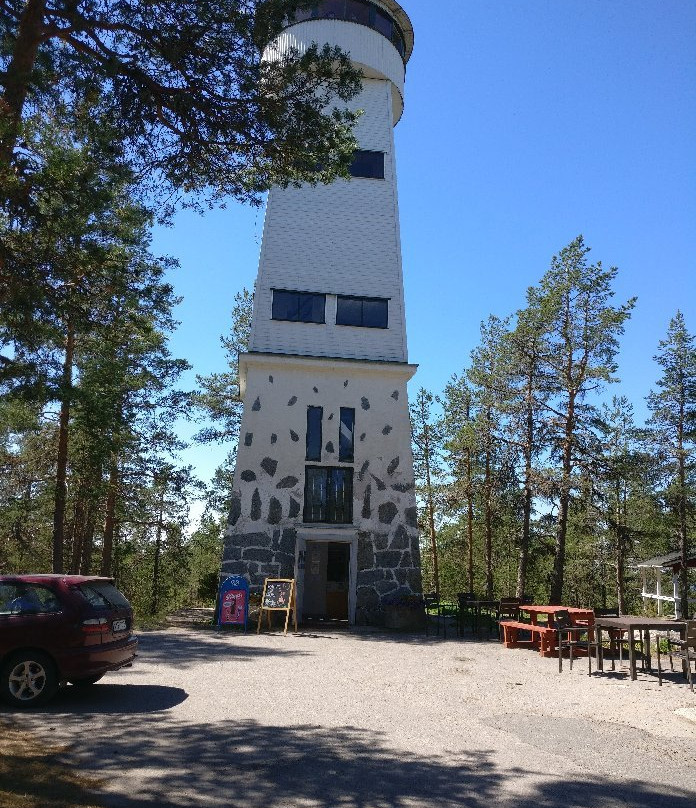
[[28, 678], [86, 681]]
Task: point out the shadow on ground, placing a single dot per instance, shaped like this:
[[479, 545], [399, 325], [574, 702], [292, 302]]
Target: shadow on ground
[[116, 699], [256, 766], [189, 648]]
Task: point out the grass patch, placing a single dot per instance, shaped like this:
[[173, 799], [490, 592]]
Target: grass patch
[[35, 773]]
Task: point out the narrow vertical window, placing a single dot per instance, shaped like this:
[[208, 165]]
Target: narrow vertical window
[[314, 416], [346, 438]]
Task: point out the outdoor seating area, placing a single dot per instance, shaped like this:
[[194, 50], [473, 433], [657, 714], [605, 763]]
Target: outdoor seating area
[[570, 632]]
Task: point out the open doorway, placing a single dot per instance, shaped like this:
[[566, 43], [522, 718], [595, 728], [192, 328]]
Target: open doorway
[[326, 581]]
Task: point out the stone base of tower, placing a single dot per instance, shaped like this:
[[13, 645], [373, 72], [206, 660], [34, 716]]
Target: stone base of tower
[[373, 560]]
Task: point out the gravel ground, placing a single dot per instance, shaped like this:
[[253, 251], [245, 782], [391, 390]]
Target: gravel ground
[[373, 720]]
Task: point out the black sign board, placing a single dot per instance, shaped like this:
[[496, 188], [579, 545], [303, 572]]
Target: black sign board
[[278, 596]]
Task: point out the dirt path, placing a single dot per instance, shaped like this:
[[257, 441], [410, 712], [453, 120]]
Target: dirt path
[[368, 720]]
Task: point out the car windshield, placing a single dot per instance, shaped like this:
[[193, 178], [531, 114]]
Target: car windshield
[[103, 595]]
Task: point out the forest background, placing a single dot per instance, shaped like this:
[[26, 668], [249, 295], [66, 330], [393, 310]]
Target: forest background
[[558, 514]]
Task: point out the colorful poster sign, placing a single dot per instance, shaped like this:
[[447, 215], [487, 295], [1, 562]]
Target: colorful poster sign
[[234, 601]]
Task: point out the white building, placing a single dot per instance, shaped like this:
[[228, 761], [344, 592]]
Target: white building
[[323, 488]]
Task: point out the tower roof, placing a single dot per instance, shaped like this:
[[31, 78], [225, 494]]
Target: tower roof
[[403, 21]]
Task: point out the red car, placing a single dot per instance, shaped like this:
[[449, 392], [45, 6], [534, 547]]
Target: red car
[[60, 628]]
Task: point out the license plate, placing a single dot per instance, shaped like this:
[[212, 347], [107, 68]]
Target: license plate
[[119, 625]]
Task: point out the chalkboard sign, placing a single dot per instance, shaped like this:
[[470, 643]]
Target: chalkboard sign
[[278, 596]]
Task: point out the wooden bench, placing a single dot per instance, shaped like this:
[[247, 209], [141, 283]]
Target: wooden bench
[[542, 635]]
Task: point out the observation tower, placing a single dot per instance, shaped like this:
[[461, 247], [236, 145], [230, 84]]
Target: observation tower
[[324, 483]]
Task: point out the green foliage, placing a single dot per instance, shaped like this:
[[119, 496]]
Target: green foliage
[[545, 485], [189, 88], [218, 394], [673, 423], [80, 264]]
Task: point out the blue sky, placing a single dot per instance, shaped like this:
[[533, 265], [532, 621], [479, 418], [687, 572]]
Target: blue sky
[[527, 123]]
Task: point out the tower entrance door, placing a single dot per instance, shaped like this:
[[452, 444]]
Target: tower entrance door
[[326, 580]]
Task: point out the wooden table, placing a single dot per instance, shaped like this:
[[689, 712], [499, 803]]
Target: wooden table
[[543, 634], [632, 623]]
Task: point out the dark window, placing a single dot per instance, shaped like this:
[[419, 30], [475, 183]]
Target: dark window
[[333, 9], [24, 598], [368, 164], [361, 11], [368, 312], [103, 595], [302, 307], [328, 495], [356, 11], [314, 416], [398, 42], [346, 438], [307, 14], [384, 24]]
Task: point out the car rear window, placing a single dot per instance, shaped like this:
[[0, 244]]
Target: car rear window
[[103, 595], [24, 598]]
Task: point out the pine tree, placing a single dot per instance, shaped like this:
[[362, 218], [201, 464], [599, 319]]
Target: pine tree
[[462, 456], [490, 384], [526, 433], [673, 421], [426, 439], [573, 298], [185, 86]]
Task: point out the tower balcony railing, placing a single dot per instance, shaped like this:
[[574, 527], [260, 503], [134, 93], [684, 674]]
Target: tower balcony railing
[[359, 11]]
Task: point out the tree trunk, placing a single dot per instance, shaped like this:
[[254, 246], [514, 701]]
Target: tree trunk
[[60, 496], [470, 521], [110, 519], [683, 531], [78, 524], [621, 574], [621, 545], [523, 556], [88, 540], [528, 495], [431, 512], [489, 527], [154, 600], [18, 77], [556, 593]]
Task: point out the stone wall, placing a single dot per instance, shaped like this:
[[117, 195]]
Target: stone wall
[[266, 513]]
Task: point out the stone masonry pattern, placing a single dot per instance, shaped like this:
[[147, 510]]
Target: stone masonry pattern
[[266, 506]]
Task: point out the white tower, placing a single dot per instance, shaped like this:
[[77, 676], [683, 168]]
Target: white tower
[[323, 488]]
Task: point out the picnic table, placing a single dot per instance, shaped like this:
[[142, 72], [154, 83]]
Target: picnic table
[[543, 634], [631, 623]]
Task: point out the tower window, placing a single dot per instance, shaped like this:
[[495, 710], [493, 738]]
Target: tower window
[[346, 437], [357, 11], [368, 164], [328, 495], [360, 11], [314, 416], [368, 312], [298, 307]]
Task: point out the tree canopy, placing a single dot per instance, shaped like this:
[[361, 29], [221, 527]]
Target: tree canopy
[[186, 86]]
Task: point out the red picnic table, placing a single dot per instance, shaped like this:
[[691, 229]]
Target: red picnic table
[[543, 634]]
